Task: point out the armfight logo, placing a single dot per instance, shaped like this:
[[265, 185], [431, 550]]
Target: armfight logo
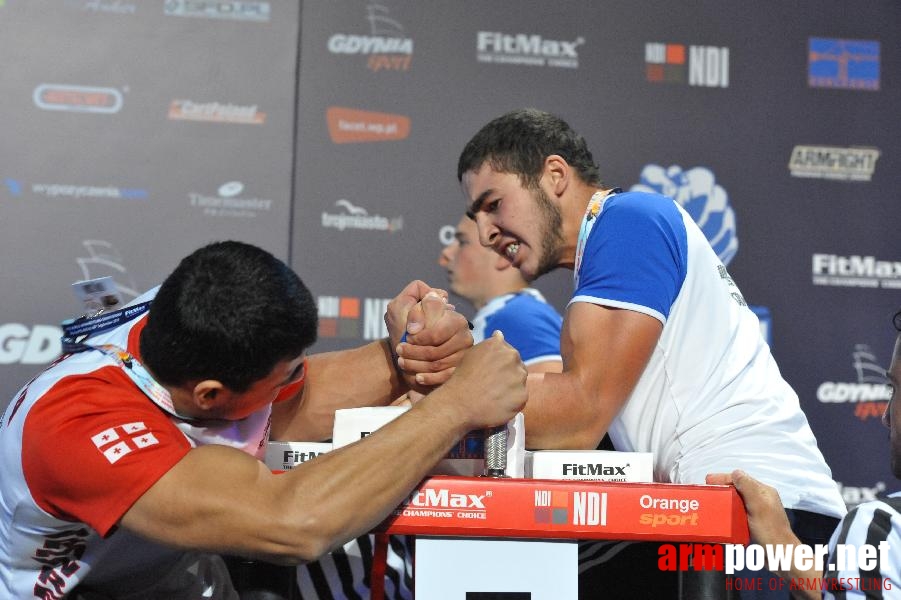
[[386, 48], [869, 394], [833, 162]]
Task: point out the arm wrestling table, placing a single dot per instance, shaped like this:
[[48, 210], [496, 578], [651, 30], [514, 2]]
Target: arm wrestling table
[[484, 507]]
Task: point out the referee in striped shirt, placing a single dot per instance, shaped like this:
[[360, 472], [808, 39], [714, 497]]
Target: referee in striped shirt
[[870, 523]]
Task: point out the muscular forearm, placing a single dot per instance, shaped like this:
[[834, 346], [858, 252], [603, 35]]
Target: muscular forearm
[[559, 415], [362, 376]]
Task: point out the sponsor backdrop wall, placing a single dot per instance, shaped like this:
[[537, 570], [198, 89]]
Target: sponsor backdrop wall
[[328, 133]]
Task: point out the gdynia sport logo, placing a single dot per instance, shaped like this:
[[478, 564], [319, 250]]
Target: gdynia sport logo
[[742, 561]]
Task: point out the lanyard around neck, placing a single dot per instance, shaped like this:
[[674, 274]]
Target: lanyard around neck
[[592, 211]]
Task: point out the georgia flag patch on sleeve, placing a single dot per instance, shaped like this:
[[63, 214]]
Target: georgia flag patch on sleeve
[[116, 442]]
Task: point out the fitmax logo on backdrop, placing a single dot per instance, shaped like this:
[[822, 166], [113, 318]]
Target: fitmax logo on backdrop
[[843, 64], [705, 66], [836, 270], [527, 49], [386, 48]]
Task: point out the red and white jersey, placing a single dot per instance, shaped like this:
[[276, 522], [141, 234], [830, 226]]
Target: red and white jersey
[[78, 446]]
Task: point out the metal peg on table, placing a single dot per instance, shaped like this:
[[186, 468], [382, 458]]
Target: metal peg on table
[[496, 451]]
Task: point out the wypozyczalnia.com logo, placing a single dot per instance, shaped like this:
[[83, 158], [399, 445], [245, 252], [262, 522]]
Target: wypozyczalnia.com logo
[[77, 98]]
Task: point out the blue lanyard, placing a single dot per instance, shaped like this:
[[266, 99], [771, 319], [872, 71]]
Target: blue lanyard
[[591, 214], [76, 331]]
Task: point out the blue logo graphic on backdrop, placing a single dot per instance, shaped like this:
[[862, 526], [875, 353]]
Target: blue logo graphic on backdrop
[[843, 64], [707, 203], [14, 186], [705, 200]]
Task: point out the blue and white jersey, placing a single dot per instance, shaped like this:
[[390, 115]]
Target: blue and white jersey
[[528, 323], [711, 398]]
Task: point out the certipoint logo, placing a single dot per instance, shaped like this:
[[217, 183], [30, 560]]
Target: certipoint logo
[[353, 126], [843, 64], [705, 66], [387, 48], [350, 317], [216, 112], [77, 98]]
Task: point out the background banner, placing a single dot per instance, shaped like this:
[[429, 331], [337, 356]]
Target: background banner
[[327, 131]]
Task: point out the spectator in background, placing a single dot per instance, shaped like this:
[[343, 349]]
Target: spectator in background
[[503, 300]]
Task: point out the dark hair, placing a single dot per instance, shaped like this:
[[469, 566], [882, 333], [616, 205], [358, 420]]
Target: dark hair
[[519, 141], [230, 311]]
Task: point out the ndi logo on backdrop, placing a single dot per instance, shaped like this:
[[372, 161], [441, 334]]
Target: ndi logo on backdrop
[[704, 66], [351, 317]]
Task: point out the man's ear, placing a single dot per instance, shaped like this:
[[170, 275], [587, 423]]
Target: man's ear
[[209, 393], [556, 173]]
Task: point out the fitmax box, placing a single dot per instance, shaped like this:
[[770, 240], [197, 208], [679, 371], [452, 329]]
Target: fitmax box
[[284, 456], [466, 459], [591, 465]]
